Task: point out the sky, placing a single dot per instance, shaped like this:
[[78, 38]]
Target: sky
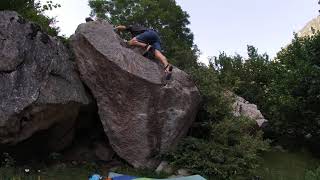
[[222, 25]]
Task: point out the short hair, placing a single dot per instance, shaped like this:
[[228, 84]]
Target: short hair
[[88, 19]]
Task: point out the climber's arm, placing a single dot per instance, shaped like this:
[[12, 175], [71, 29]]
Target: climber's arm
[[121, 28]]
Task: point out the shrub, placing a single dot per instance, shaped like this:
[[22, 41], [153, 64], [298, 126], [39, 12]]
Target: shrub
[[7, 160], [313, 175], [231, 150]]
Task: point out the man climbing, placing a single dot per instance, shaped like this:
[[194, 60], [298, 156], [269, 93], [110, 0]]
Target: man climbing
[[150, 41]]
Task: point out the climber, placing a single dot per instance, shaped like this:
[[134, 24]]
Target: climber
[[149, 40]]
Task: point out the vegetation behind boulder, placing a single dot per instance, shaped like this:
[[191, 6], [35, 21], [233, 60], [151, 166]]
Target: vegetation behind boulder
[[33, 11], [229, 151], [287, 90]]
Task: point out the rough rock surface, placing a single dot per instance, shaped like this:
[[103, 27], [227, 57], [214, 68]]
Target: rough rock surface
[[311, 28], [164, 166], [103, 151], [241, 107], [39, 89], [140, 115], [89, 152]]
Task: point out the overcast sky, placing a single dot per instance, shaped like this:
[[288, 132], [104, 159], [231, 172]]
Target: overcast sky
[[220, 25]]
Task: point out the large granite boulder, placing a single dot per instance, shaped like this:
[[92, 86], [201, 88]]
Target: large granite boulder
[[141, 116], [40, 89]]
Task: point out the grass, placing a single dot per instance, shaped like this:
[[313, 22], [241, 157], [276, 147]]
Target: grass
[[68, 172], [61, 172], [279, 165], [141, 172]]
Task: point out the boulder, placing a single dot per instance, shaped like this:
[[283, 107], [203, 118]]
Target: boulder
[[311, 28], [183, 172], [40, 89], [141, 115], [241, 107], [164, 166], [84, 151], [103, 151]]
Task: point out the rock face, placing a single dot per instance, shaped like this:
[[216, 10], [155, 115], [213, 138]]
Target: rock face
[[310, 28], [39, 89], [241, 107], [140, 115], [90, 152]]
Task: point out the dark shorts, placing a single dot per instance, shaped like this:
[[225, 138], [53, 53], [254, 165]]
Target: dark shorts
[[150, 37]]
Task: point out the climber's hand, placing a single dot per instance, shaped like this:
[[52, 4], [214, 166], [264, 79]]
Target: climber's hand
[[120, 28]]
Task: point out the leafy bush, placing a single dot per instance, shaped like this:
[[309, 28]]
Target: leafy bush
[[287, 90], [215, 104], [313, 175], [295, 93], [7, 160], [230, 151], [218, 144], [247, 77]]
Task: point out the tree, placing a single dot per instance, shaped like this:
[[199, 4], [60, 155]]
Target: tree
[[297, 86], [287, 90], [165, 16], [33, 11], [246, 77], [16, 5]]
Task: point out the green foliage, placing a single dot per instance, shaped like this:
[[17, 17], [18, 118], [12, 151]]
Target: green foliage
[[7, 160], [16, 5], [33, 11], [280, 164], [50, 6], [219, 145], [215, 104], [248, 78], [230, 150], [287, 90], [100, 8], [297, 88], [165, 16], [46, 173], [313, 175]]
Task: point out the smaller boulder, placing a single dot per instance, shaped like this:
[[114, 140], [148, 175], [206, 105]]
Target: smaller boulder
[[242, 107], [164, 166], [183, 172]]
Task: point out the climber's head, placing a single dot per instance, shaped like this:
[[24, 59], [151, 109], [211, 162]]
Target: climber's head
[[88, 19]]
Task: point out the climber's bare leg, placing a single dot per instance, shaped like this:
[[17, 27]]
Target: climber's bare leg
[[158, 55], [161, 58], [134, 42]]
